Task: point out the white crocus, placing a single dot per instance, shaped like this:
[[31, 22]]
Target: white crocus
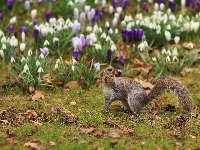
[[156, 6], [40, 70], [162, 6], [46, 43], [2, 53], [103, 3], [119, 9], [111, 9], [13, 20], [23, 37], [44, 31], [167, 35], [22, 47], [26, 68], [115, 22], [176, 39], [33, 13], [116, 31]]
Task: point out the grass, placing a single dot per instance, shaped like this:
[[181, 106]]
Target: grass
[[152, 129]]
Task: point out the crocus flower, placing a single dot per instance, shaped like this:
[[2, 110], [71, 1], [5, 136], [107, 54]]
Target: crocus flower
[[171, 5], [109, 54], [82, 17], [76, 27], [9, 3], [110, 69], [92, 21], [44, 51], [100, 15], [82, 38], [2, 14], [22, 47], [27, 5], [160, 1], [47, 15], [115, 3], [167, 35], [13, 20], [33, 13], [124, 4], [87, 40], [76, 54], [176, 39], [76, 13], [10, 30], [111, 9], [36, 34], [35, 21], [2, 53], [121, 59], [24, 29], [144, 5], [76, 42], [40, 1]]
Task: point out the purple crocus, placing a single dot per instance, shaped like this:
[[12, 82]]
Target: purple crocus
[[160, 1], [27, 5], [76, 42], [36, 34], [92, 21], [76, 54], [187, 2], [47, 15], [87, 40], [122, 59], [124, 4], [10, 30], [138, 34], [109, 54], [115, 3], [24, 29], [110, 69], [171, 5], [76, 27], [41, 1], [100, 15], [35, 21], [2, 14], [44, 51], [9, 3], [144, 5], [82, 38]]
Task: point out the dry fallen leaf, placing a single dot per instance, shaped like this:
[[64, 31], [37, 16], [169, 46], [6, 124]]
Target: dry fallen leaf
[[39, 94], [187, 70], [34, 145], [192, 136], [69, 85], [31, 88], [31, 114], [47, 78], [37, 124]]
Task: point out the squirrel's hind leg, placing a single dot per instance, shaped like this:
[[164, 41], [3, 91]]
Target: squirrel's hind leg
[[134, 105]]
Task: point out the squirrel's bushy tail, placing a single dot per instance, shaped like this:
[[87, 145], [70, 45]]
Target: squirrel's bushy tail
[[167, 83]]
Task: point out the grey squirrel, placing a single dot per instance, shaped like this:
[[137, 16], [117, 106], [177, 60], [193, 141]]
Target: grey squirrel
[[133, 96]]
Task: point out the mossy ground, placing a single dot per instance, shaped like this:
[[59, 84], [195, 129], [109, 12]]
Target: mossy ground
[[154, 128]]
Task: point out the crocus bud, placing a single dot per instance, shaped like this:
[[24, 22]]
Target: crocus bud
[[33, 13], [22, 47], [2, 53], [167, 35], [27, 5], [111, 9], [76, 13], [176, 39]]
